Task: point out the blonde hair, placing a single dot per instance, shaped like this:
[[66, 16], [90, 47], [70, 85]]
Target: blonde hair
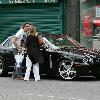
[[33, 31]]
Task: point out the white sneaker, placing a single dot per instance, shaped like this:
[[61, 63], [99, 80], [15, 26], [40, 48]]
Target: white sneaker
[[26, 79], [37, 79]]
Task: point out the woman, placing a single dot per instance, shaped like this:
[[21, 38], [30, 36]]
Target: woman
[[34, 54]]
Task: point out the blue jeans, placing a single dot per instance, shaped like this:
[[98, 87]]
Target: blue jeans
[[18, 71]]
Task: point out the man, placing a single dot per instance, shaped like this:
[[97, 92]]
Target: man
[[18, 43]]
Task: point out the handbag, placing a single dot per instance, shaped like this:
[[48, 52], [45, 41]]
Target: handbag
[[19, 58]]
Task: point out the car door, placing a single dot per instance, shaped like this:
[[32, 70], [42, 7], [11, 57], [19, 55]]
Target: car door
[[50, 60], [7, 53]]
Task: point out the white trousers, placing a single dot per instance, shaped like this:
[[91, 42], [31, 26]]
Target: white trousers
[[35, 70], [28, 69]]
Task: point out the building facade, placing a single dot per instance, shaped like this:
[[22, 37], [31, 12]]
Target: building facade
[[49, 16], [90, 23]]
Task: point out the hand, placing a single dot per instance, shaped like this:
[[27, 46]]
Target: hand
[[40, 40], [23, 49], [19, 49]]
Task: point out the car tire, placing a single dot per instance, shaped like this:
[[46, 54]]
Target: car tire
[[3, 71], [66, 70]]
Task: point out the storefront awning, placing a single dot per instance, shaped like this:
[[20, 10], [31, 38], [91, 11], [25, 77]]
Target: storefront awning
[[96, 22]]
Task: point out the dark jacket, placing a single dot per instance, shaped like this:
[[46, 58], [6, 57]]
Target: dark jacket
[[33, 49]]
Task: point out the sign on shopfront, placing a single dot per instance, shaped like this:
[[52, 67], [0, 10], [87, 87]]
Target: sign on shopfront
[[27, 1], [97, 11]]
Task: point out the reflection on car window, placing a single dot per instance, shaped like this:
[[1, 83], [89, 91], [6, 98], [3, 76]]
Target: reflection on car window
[[7, 43]]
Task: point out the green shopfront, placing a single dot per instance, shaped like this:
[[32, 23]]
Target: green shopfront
[[46, 15]]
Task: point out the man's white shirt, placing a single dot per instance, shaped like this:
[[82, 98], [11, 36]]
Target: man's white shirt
[[21, 38]]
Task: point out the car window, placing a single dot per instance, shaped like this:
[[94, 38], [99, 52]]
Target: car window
[[7, 43], [59, 41], [62, 42]]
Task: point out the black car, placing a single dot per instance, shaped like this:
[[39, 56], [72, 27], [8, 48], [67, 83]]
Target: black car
[[63, 56]]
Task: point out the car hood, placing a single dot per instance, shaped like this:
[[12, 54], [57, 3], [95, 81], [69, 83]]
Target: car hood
[[82, 51]]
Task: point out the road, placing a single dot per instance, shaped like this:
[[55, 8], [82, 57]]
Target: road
[[49, 89]]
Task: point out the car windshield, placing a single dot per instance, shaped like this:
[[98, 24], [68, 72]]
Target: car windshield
[[7, 43], [49, 44], [74, 42], [52, 41], [62, 41]]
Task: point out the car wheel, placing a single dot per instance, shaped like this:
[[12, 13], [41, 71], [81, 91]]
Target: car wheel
[[66, 70], [3, 71]]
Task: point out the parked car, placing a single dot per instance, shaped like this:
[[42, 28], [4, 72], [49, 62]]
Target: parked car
[[63, 56]]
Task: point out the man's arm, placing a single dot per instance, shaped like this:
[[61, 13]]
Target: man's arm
[[14, 39]]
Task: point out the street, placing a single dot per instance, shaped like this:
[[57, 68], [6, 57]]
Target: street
[[49, 89]]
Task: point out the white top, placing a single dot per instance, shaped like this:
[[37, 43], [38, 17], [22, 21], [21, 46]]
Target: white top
[[21, 38]]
